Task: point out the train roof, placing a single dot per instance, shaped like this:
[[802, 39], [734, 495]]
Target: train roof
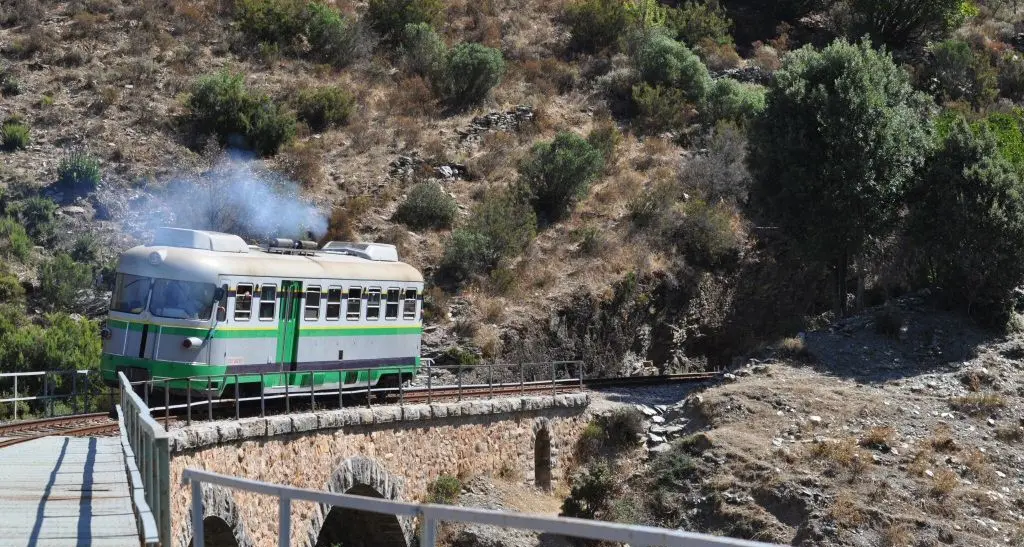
[[196, 255]]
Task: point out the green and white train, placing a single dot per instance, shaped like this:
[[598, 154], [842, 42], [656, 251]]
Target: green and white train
[[198, 303]]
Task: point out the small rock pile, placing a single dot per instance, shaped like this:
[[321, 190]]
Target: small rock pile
[[510, 120], [405, 167]]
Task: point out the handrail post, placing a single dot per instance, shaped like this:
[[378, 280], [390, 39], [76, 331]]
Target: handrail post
[[554, 386], [368, 395], [401, 393], [188, 401], [312, 393], [197, 513], [16, 401], [580, 364], [236, 396], [429, 536], [522, 380], [163, 490], [145, 392], [341, 402], [88, 392], [490, 381], [284, 524], [209, 399], [287, 394], [263, 393], [167, 402], [430, 390], [74, 392]]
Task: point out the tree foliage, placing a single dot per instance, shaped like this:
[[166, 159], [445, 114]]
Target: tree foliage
[[61, 282], [732, 101], [956, 72], [595, 25], [427, 206], [841, 137], [558, 172], [660, 60], [905, 23], [322, 107], [694, 22], [221, 105], [967, 218], [390, 17], [499, 227], [469, 73]]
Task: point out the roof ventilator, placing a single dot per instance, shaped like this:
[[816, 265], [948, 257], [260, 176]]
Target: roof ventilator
[[286, 246], [371, 251]]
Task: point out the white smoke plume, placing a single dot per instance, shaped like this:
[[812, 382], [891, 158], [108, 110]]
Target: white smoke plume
[[240, 196]]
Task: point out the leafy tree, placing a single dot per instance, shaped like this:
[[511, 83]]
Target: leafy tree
[[279, 22], [65, 344], [390, 17], [334, 38], [558, 172], [733, 101], [967, 218], [499, 227], [61, 281], [595, 25], [424, 49], [469, 73], [660, 60], [906, 22], [957, 72], [694, 22], [842, 135]]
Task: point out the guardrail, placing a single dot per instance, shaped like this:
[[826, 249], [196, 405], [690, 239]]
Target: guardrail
[[499, 378], [431, 515], [147, 442], [148, 533], [83, 384]]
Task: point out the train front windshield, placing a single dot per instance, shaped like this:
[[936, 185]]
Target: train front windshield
[[168, 298]]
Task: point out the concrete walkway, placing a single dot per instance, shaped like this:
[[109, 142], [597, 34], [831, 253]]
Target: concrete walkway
[[59, 491]]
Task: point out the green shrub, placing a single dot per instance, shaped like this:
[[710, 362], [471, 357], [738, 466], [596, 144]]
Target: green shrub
[[86, 249], [605, 137], [673, 468], [333, 38], [221, 105], [14, 241], [596, 25], [591, 494], [10, 288], [469, 73], [660, 60], [424, 49], [14, 136], [660, 109], [898, 25], [559, 172], [1011, 76], [61, 281], [956, 72], [623, 428], [78, 172], [427, 206], [444, 489], [499, 227], [65, 344], [9, 84], [38, 215], [648, 209], [280, 22], [322, 107], [705, 234], [694, 22], [590, 442], [732, 101], [390, 17]]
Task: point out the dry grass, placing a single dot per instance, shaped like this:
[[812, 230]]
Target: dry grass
[[942, 439], [791, 348], [840, 452], [977, 464], [921, 462], [898, 534], [844, 510], [1010, 434], [496, 159], [488, 339], [976, 404], [877, 437], [304, 163], [492, 309], [943, 483]]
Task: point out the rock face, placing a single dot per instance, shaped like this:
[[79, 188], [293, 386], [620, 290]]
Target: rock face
[[388, 451]]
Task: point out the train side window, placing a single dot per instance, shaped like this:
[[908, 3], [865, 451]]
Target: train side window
[[355, 303], [409, 305], [243, 302], [391, 307], [373, 304], [333, 303], [268, 302], [312, 304]]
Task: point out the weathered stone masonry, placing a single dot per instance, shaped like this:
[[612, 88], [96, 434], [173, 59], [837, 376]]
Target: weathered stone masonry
[[396, 451]]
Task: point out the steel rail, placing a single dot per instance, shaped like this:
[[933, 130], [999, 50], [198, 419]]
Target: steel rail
[[105, 430]]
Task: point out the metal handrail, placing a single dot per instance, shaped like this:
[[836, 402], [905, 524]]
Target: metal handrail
[[148, 532], [231, 395], [151, 453], [431, 515], [49, 389]]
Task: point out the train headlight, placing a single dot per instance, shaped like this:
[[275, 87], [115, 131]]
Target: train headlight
[[191, 342]]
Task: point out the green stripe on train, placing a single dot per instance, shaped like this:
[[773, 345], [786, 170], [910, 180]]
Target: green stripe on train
[[271, 332]]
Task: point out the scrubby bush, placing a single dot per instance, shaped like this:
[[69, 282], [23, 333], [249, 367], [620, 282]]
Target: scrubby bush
[[956, 72], [332, 37], [424, 49], [86, 249], [14, 241], [904, 24], [706, 235], [694, 22], [623, 428], [78, 172], [732, 101], [558, 172], [721, 172], [444, 489], [469, 73], [65, 344], [968, 218], [301, 27], [14, 136], [595, 25], [280, 22], [322, 107], [499, 227], [590, 442], [1010, 68], [660, 60], [427, 206], [61, 282], [591, 494], [9, 84], [37, 215], [605, 137], [660, 109], [221, 105], [390, 17], [673, 468], [11, 290]]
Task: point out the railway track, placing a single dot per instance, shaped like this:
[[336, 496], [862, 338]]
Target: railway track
[[84, 425]]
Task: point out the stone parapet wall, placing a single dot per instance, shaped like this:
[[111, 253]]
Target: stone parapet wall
[[412, 445]]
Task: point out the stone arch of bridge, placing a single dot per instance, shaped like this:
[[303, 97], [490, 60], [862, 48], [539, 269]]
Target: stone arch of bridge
[[222, 524], [542, 453], [361, 476]]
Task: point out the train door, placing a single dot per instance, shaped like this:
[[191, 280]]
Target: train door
[[288, 326]]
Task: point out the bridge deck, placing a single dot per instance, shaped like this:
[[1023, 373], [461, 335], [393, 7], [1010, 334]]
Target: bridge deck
[[57, 491]]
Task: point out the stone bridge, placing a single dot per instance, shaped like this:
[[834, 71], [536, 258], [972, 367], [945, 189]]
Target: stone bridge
[[391, 452]]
